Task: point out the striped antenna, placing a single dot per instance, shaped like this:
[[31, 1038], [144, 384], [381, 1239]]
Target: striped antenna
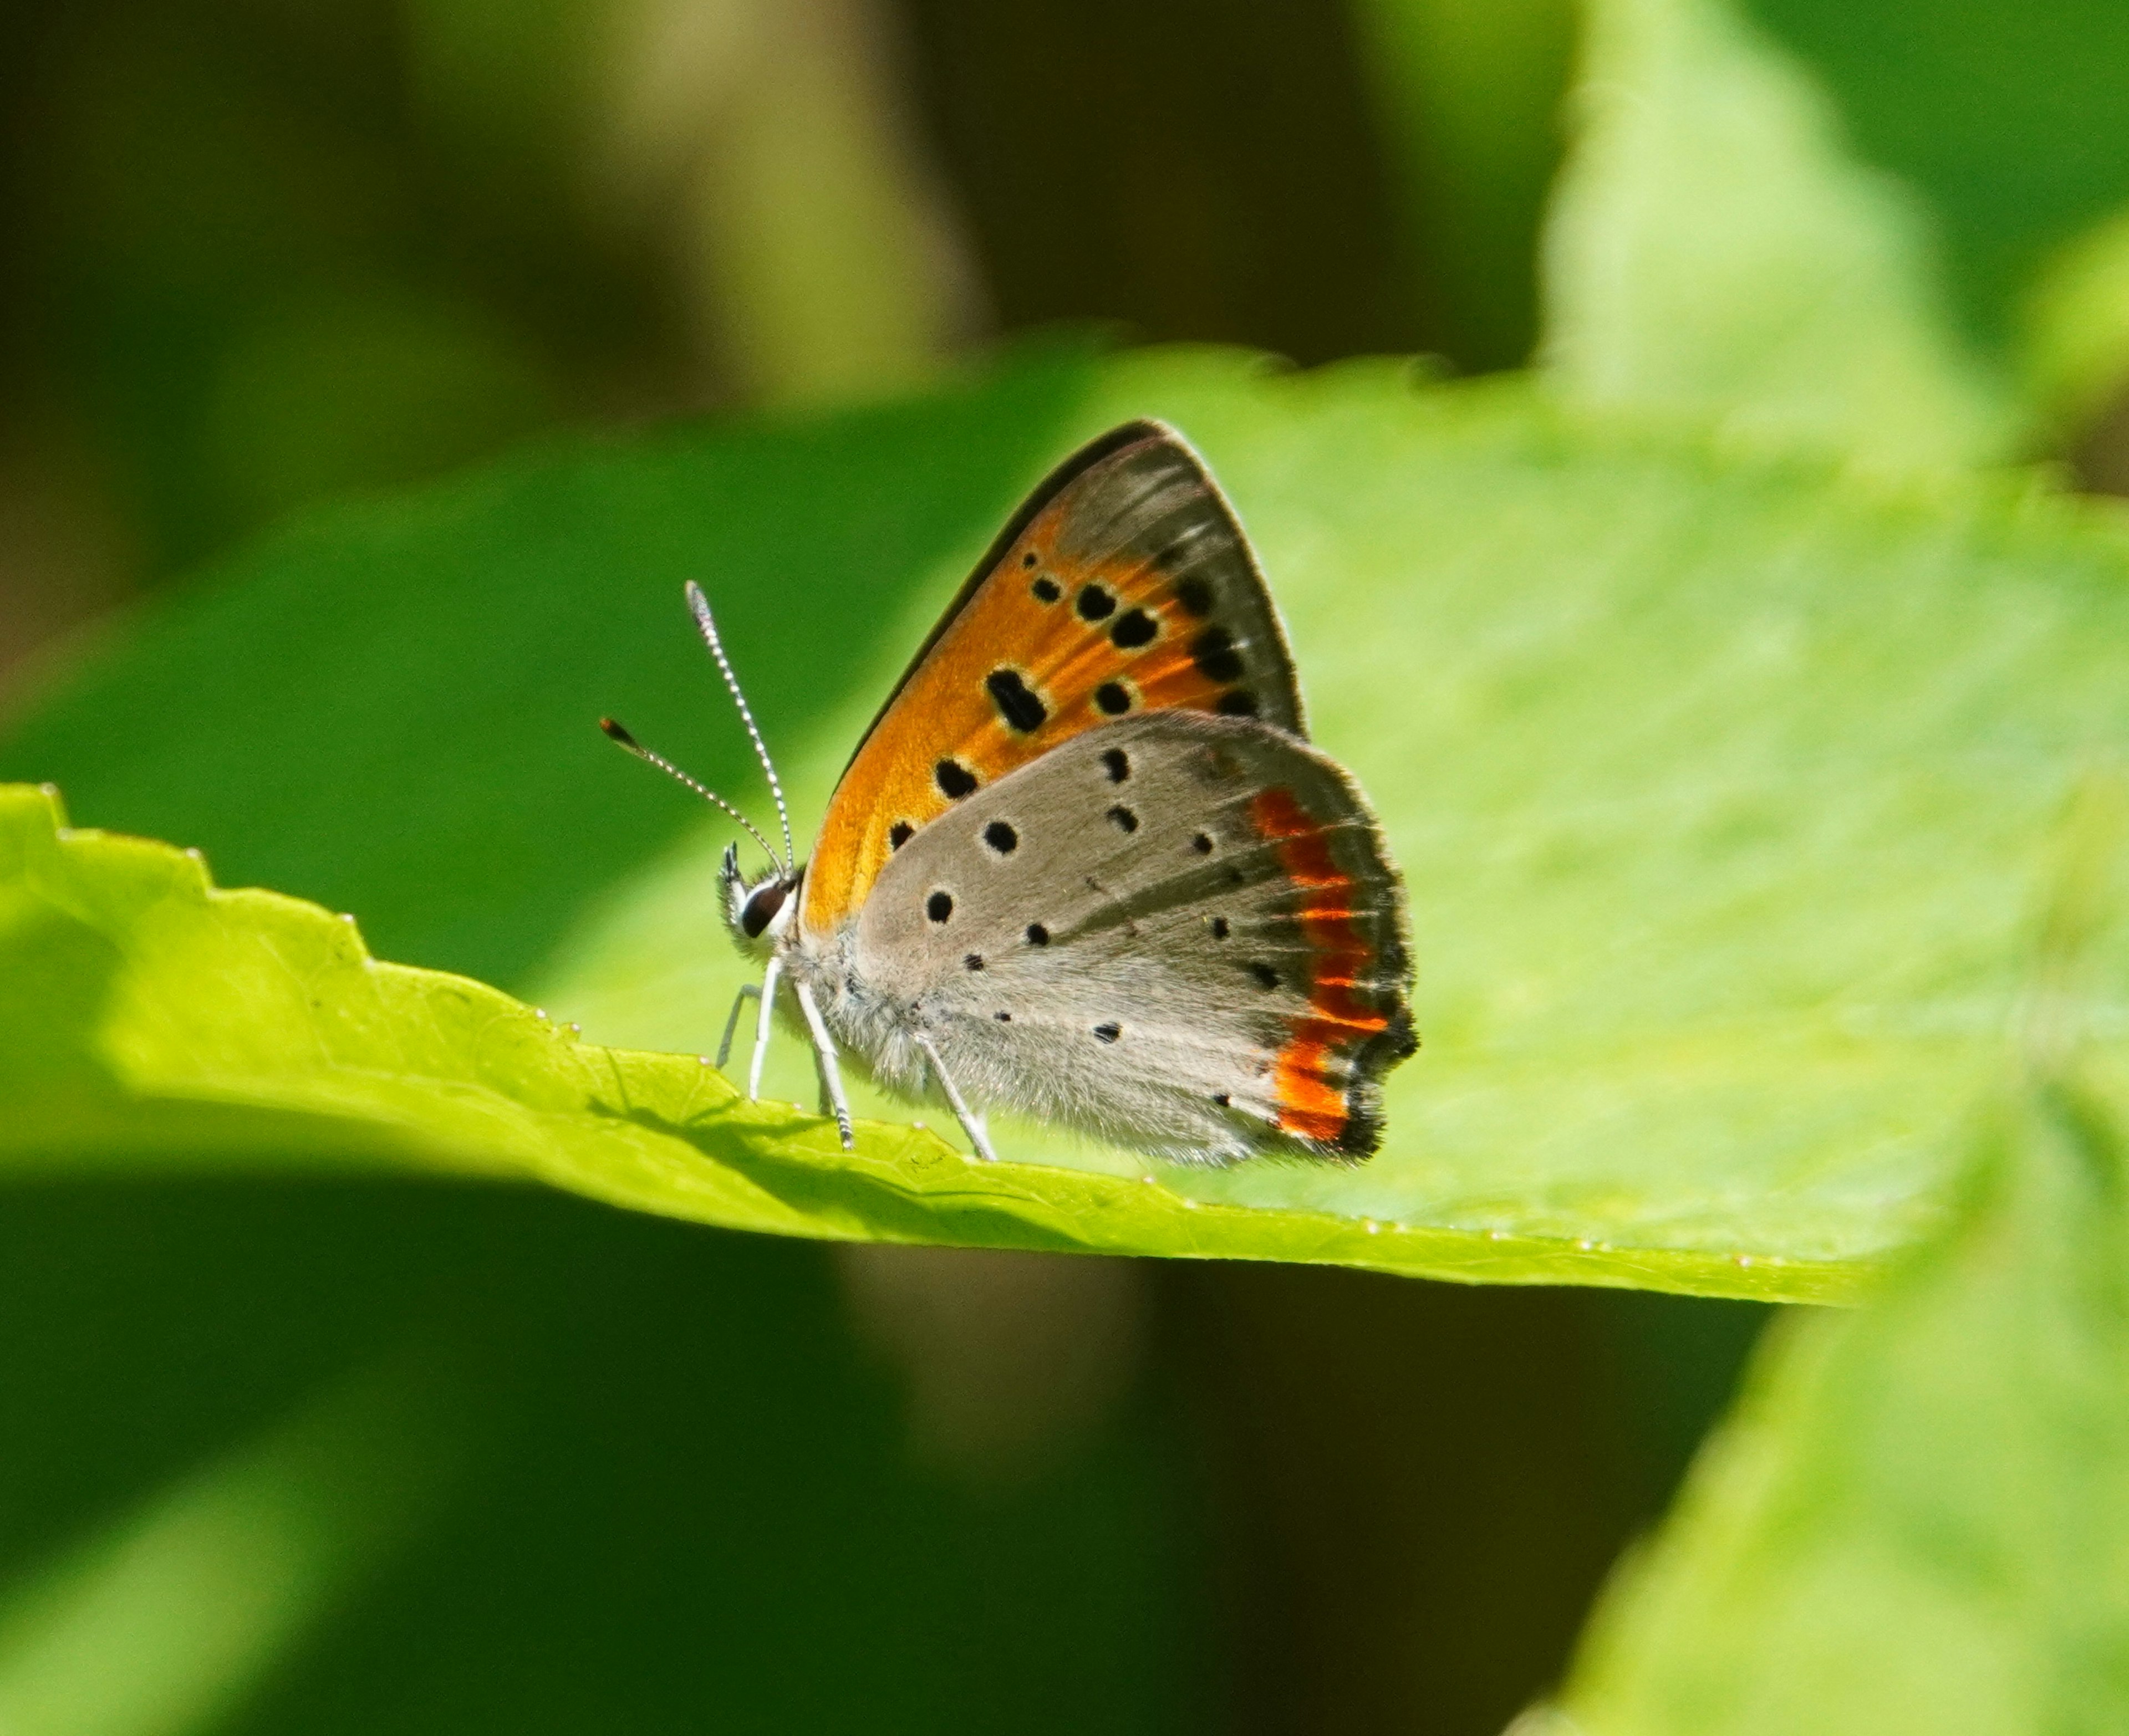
[[616, 734], [701, 606]]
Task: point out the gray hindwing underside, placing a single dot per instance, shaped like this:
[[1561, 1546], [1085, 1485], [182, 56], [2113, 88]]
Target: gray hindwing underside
[[1105, 938]]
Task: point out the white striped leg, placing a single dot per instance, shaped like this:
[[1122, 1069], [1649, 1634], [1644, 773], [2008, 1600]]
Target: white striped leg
[[972, 1123], [768, 994], [824, 1058]]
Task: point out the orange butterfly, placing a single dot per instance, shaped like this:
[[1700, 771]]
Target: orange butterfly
[[1084, 864]]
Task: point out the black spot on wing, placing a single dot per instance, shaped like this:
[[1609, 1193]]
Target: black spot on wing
[[1123, 819], [939, 906], [1017, 704], [899, 833], [1195, 595], [1203, 844], [1046, 589], [1001, 837], [1095, 603], [1213, 651], [1220, 928], [955, 780], [1132, 629], [1118, 764], [1113, 697], [1110, 1032], [1266, 977], [973, 961], [1037, 935], [1236, 703]]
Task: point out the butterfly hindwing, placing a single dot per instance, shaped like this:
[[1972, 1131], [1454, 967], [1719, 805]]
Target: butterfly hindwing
[[1124, 587], [1179, 932]]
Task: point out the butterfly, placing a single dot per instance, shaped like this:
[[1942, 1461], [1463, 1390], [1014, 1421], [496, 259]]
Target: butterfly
[[1084, 864]]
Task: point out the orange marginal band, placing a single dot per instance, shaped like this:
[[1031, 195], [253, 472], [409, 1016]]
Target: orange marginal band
[[1311, 1105]]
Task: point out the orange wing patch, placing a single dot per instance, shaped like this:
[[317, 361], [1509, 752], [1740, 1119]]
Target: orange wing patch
[[1125, 585], [1322, 1080]]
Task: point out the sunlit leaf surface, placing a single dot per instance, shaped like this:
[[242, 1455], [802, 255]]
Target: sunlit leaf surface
[[1720, 788]]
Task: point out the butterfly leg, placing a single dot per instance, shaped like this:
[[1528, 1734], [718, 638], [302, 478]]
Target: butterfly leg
[[748, 991], [824, 1057], [768, 996], [972, 1125]]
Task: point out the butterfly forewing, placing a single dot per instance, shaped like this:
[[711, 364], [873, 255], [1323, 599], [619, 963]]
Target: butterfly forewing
[[1179, 932], [1124, 587]]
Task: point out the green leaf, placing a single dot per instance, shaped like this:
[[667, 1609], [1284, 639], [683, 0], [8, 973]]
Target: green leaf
[[1719, 787], [175, 1022], [1918, 1519], [1714, 255]]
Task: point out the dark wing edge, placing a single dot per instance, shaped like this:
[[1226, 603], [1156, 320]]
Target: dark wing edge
[[1061, 478], [1145, 431]]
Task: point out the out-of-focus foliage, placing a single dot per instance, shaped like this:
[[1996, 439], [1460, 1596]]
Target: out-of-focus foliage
[[1468, 94], [2011, 122], [672, 1478], [1712, 255], [1917, 1520], [2076, 330], [167, 1621]]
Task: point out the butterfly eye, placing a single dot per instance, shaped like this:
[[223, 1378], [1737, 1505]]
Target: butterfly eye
[[762, 905]]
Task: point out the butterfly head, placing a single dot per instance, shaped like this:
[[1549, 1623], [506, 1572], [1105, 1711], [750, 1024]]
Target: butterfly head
[[758, 911]]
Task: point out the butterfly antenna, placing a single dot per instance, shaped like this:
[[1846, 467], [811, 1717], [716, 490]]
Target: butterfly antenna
[[617, 734], [701, 606]]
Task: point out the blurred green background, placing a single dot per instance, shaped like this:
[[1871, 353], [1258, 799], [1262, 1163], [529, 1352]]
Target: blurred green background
[[591, 1472]]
